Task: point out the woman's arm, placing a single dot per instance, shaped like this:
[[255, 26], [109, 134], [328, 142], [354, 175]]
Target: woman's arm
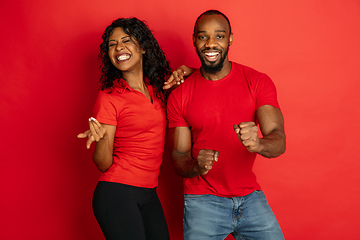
[[178, 76], [104, 135]]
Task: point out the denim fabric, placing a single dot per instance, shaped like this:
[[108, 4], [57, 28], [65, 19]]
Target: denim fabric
[[246, 218]]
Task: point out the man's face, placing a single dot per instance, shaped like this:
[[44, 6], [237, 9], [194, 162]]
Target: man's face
[[212, 39]]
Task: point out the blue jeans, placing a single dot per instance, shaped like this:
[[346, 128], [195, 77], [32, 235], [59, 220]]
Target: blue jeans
[[245, 218]]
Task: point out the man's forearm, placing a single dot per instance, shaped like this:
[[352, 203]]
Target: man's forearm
[[273, 144], [184, 165]]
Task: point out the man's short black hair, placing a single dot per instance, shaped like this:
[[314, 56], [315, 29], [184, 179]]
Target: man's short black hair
[[212, 12]]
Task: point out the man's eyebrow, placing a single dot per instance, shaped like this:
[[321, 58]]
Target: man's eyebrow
[[215, 31]]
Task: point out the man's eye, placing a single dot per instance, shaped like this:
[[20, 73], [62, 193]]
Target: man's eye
[[201, 37], [220, 37]]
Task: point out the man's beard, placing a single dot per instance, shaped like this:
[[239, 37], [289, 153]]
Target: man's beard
[[213, 68]]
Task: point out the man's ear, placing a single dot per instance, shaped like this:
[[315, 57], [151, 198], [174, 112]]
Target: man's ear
[[230, 39]]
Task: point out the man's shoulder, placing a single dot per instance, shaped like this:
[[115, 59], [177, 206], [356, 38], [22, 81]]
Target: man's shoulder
[[189, 81], [245, 68], [193, 76], [250, 74]]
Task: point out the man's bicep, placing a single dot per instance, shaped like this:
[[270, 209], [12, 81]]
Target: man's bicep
[[180, 138], [270, 118]]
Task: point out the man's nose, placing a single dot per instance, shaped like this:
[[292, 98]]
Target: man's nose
[[211, 42]]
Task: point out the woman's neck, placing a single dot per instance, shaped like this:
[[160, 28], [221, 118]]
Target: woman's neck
[[135, 80]]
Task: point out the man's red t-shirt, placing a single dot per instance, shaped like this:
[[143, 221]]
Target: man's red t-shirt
[[210, 109]]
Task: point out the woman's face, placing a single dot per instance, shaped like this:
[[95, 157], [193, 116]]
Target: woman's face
[[125, 52]]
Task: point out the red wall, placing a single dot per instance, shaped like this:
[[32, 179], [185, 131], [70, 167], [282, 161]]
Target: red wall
[[49, 70]]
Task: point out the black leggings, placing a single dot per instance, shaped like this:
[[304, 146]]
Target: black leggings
[[126, 212]]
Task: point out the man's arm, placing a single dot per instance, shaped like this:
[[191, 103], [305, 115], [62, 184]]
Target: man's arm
[[271, 122], [184, 164]]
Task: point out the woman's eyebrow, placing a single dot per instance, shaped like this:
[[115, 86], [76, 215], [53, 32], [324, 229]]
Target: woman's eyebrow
[[115, 40]]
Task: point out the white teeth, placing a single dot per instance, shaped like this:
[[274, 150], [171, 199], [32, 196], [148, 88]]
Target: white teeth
[[211, 54], [123, 57]]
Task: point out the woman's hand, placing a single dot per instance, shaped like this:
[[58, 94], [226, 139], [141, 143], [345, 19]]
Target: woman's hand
[[95, 133], [178, 76]]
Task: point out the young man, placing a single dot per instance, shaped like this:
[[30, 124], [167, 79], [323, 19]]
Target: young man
[[212, 121]]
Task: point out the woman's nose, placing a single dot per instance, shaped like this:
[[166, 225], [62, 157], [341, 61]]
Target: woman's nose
[[119, 47]]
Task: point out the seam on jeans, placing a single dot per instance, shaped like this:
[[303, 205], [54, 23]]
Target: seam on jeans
[[238, 235], [191, 196], [233, 208], [240, 210]]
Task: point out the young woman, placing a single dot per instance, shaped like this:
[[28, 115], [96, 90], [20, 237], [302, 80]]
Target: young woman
[[129, 130]]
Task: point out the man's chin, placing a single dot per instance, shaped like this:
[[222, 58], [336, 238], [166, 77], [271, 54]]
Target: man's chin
[[209, 64], [212, 68], [212, 63]]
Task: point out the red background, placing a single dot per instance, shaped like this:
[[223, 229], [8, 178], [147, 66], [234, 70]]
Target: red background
[[49, 73]]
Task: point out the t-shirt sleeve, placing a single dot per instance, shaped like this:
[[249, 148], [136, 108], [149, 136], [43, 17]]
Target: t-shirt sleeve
[[174, 110], [104, 109], [265, 91]]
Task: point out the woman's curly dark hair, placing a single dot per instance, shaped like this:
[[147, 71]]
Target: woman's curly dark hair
[[155, 65]]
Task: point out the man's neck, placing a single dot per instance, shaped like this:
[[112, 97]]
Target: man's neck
[[218, 75]]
